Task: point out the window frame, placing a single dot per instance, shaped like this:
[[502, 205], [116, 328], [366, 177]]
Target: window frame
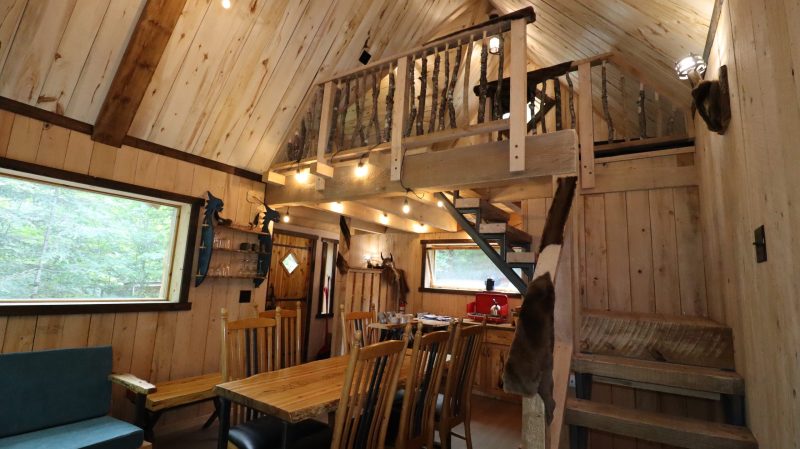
[[423, 266], [32, 171]]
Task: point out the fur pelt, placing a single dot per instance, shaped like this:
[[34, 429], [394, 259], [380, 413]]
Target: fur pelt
[[529, 369]]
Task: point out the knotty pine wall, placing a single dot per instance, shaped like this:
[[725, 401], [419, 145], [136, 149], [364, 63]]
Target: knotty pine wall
[[156, 346], [749, 178]]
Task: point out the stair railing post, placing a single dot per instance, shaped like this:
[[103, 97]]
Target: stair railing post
[[585, 127], [518, 126], [326, 115]]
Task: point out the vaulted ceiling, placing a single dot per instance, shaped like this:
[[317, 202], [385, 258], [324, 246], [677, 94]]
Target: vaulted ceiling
[[230, 81]]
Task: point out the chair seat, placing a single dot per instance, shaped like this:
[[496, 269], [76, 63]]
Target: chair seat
[[97, 433], [267, 433]]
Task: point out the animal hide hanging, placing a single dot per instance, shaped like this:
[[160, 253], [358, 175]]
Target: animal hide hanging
[[712, 100], [396, 278], [529, 369]]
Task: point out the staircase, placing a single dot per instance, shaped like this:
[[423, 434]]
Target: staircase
[[635, 350], [506, 246]]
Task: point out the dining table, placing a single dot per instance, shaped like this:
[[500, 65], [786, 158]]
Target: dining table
[[290, 394]]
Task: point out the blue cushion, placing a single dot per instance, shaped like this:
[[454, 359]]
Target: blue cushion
[[51, 388], [97, 433]]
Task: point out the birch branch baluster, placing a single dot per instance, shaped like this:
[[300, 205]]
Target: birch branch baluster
[[358, 138], [343, 106], [423, 92], [557, 90], [443, 101], [571, 102], [499, 91], [542, 110], [333, 136], [434, 92], [389, 105], [376, 91], [642, 113], [412, 113], [483, 81], [532, 107], [624, 108], [606, 112], [451, 90]]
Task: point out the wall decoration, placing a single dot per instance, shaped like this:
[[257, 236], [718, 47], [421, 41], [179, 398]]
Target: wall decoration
[[211, 218], [263, 219]]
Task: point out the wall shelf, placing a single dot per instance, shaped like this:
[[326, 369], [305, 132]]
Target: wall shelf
[[239, 228], [211, 276], [240, 251]]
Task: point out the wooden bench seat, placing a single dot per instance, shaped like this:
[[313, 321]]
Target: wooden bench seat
[[177, 393]]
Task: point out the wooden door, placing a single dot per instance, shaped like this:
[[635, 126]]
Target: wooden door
[[291, 274]]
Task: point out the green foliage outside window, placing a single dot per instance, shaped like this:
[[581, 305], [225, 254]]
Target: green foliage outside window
[[59, 242]]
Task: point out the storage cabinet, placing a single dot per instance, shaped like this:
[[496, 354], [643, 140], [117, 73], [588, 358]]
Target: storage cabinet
[[489, 374]]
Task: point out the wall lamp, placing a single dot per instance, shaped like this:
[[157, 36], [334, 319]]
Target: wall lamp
[[711, 98]]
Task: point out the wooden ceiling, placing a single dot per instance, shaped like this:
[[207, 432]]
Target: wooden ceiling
[[230, 81]]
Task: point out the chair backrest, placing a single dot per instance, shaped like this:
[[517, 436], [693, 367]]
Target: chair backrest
[[416, 426], [357, 323], [289, 342], [367, 394], [465, 352]]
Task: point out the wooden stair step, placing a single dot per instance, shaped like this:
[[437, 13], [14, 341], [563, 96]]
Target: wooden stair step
[[659, 338], [657, 427], [513, 234], [521, 258], [488, 211], [672, 375], [183, 391]]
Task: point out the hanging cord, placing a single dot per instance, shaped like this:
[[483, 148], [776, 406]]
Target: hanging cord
[[402, 169]]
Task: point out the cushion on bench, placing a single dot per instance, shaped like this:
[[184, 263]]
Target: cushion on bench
[[50, 388], [96, 433]]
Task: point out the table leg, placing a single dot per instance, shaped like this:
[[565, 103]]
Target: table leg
[[285, 436], [224, 422]]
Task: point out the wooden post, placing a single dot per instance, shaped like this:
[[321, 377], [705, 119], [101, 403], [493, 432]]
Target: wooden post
[[322, 169], [585, 128], [340, 292], [398, 119], [519, 94]]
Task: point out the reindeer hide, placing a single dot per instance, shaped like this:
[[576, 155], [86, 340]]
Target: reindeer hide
[[529, 369]]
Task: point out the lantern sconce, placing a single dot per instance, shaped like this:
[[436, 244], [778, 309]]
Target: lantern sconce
[[494, 45], [710, 98]]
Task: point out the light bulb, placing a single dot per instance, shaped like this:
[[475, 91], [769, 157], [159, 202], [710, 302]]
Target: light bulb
[[685, 66], [440, 203], [286, 218], [226, 4], [420, 227], [406, 206], [301, 176], [361, 169], [494, 45], [384, 219], [337, 207]]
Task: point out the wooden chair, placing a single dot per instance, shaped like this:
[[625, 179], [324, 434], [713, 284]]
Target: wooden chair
[[368, 394], [357, 323], [289, 334], [456, 398], [415, 426]]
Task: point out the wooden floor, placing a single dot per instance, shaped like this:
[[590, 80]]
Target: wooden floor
[[495, 425]]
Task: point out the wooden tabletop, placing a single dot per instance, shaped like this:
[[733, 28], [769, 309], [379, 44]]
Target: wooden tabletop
[[430, 323], [296, 393]]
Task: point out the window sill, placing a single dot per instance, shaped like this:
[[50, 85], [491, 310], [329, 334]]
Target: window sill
[[465, 292], [73, 308]]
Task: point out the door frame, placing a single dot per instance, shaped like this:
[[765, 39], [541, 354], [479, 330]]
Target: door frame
[[309, 289]]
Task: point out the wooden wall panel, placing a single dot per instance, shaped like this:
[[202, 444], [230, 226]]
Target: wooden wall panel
[[748, 179], [152, 345]]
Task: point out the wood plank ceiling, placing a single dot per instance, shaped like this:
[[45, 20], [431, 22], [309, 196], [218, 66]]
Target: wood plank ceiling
[[230, 81]]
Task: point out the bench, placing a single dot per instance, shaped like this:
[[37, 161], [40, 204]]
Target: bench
[[153, 400], [61, 398]]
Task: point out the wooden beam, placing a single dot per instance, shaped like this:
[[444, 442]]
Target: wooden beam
[[272, 177], [480, 165], [399, 118], [423, 212], [658, 427], [585, 125], [139, 62], [358, 211], [684, 340], [518, 125]]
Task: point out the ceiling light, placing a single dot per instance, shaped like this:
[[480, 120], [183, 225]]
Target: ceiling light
[[440, 203], [301, 175], [494, 45], [406, 206], [362, 169], [689, 64], [226, 4], [337, 207], [286, 218], [384, 219]]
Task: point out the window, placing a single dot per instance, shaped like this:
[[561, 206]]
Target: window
[[460, 266], [69, 243]]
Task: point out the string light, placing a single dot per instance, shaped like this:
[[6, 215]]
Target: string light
[[286, 218], [362, 169], [420, 227], [440, 203], [338, 207], [406, 207], [301, 175], [226, 4], [494, 45], [384, 219]]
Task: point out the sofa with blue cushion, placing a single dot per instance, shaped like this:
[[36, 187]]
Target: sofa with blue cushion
[[61, 399]]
